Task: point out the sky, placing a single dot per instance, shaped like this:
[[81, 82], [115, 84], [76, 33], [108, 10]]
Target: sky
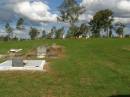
[[38, 11], [54, 3]]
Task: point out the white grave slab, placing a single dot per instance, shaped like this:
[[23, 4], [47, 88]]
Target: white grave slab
[[31, 65]]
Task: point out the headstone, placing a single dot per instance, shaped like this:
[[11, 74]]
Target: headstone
[[41, 51], [17, 62]]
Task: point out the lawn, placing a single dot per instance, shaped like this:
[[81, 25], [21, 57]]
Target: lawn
[[90, 68]]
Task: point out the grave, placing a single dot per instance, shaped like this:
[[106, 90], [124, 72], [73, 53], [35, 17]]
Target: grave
[[29, 65], [41, 51], [17, 62], [55, 51]]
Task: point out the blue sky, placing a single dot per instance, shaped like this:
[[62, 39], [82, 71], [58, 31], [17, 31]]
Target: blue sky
[[25, 8], [54, 3]]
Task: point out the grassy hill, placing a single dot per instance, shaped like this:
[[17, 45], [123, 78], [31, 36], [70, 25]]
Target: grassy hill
[[90, 68]]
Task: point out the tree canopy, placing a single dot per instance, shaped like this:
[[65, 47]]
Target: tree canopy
[[20, 24], [33, 33], [9, 30], [101, 20], [119, 28], [70, 11]]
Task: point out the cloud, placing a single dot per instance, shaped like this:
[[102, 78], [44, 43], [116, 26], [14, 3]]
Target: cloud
[[39, 10], [119, 7], [124, 5], [35, 10], [123, 20]]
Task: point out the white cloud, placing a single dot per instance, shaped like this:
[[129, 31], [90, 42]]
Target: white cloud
[[35, 10], [124, 5], [121, 8], [123, 20]]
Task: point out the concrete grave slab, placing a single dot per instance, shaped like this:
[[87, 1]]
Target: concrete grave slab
[[31, 65]]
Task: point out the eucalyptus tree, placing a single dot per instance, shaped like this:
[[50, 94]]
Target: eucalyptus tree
[[20, 24], [83, 29], [119, 28], [70, 11], [102, 20], [59, 33], [44, 35], [53, 31], [33, 33], [73, 31], [9, 30]]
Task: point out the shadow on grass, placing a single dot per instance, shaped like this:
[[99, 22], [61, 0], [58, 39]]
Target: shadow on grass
[[120, 96]]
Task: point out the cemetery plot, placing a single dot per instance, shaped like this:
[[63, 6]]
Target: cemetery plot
[[32, 65]]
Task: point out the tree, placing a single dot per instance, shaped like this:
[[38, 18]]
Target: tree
[[83, 30], [59, 33], [43, 34], [20, 24], [72, 32], [51, 34], [70, 11], [101, 20], [9, 30], [33, 33], [53, 31], [110, 31], [119, 28]]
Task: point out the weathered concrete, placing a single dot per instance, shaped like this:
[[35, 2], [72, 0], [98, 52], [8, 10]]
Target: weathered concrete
[[41, 52], [31, 65]]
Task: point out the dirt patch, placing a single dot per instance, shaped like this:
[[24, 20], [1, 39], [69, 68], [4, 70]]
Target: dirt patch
[[127, 48], [31, 54], [55, 51], [2, 56], [48, 69]]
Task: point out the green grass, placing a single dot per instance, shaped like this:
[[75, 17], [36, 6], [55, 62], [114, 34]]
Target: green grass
[[90, 68]]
